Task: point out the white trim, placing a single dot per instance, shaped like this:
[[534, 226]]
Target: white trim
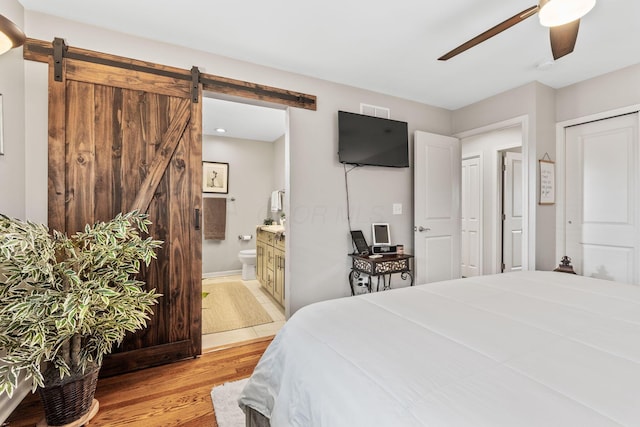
[[528, 185], [515, 121], [560, 165]]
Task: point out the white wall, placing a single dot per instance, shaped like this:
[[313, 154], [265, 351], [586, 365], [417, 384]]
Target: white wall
[[486, 146], [12, 164], [610, 91], [318, 239], [533, 102], [251, 176]]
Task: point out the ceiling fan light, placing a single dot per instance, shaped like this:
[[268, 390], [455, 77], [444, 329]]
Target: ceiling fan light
[[559, 12], [10, 35]]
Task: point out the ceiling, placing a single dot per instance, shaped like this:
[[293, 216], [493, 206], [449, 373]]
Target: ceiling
[[243, 121], [389, 47]]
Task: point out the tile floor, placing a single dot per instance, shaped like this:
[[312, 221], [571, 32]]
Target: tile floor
[[226, 338]]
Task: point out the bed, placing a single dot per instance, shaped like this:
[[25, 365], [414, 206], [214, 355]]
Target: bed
[[516, 349]]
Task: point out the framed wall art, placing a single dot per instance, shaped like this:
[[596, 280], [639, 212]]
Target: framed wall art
[[215, 177], [547, 181]]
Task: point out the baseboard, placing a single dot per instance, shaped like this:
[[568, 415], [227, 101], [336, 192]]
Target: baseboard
[[8, 405], [221, 273]]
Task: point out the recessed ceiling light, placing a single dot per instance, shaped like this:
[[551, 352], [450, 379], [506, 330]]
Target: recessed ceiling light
[[221, 130]]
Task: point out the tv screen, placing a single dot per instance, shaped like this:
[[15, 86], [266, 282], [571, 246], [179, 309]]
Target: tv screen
[[368, 140]]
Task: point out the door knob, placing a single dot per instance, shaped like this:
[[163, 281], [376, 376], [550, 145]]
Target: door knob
[[421, 229]]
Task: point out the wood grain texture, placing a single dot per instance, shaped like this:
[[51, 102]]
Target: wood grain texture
[[56, 153], [195, 157], [126, 149], [162, 156], [39, 50], [80, 156], [219, 84], [108, 152], [172, 395], [119, 77], [180, 273]]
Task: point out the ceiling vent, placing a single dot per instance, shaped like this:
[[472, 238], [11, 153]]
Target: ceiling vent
[[372, 110]]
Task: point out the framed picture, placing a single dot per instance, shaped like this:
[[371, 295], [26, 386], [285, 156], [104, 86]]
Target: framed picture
[[215, 177], [547, 182]]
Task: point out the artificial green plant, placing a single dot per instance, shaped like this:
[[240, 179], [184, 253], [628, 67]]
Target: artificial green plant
[[66, 301]]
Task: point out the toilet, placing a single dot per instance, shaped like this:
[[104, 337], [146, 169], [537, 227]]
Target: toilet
[[248, 260]]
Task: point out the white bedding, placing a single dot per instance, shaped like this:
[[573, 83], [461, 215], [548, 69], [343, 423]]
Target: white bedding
[[517, 349]]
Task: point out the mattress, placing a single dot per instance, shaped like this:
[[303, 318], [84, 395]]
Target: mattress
[[516, 349]]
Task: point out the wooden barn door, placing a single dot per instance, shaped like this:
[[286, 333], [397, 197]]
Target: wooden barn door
[[123, 139]]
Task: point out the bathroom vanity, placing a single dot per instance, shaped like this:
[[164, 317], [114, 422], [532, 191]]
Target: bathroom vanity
[[270, 260]]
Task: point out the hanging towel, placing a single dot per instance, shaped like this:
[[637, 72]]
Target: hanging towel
[[276, 201], [215, 218]]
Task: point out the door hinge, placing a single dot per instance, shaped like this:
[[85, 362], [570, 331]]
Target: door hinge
[[503, 267], [504, 217], [504, 168]]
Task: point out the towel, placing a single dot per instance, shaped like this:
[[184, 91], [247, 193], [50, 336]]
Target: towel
[[276, 201], [215, 218]]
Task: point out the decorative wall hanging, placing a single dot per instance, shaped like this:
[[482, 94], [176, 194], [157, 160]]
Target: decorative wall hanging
[[215, 177], [547, 180]]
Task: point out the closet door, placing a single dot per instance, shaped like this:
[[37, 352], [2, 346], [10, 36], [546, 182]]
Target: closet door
[[602, 176], [120, 140]]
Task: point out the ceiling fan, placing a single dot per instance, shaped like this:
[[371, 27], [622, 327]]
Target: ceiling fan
[[561, 16]]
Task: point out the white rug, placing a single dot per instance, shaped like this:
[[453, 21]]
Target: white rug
[[225, 404]]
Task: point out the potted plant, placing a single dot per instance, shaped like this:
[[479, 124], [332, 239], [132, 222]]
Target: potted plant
[[65, 302]]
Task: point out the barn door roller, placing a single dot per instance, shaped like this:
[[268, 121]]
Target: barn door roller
[[195, 83], [59, 49]]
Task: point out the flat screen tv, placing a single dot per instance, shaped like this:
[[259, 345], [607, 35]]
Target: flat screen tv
[[374, 141]]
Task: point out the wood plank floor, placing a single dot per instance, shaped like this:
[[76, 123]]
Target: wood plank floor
[[171, 395]]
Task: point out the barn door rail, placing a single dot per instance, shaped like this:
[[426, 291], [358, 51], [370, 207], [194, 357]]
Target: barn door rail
[[58, 50]]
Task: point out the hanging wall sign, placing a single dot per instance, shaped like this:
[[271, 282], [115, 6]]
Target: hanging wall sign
[[547, 181]]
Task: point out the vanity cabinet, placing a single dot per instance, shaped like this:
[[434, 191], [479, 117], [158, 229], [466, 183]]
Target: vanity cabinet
[[270, 261]]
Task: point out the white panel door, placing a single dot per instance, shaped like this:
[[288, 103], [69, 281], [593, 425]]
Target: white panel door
[[471, 218], [437, 188], [601, 198], [512, 212]]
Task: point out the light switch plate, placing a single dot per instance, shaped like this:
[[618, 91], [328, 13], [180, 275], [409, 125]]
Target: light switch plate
[[397, 208]]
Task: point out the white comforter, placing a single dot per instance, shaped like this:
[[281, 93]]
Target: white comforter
[[518, 349]]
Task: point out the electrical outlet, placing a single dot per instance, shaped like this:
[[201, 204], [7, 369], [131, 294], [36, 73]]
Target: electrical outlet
[[397, 208]]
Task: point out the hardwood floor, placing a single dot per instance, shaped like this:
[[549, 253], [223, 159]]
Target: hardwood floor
[[177, 394]]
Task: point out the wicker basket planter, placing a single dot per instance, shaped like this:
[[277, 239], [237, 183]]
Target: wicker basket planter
[[70, 400], [67, 301]]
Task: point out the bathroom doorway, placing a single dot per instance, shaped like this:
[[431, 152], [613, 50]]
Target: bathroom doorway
[[248, 143]]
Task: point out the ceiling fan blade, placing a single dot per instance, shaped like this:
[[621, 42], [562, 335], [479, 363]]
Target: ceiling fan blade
[[515, 19], [563, 38]]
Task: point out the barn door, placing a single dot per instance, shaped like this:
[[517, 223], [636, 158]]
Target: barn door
[[123, 139]]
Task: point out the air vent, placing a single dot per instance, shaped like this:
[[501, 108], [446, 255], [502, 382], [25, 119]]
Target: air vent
[[372, 110]]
